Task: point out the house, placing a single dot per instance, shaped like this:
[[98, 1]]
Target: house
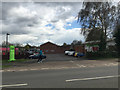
[[94, 45], [111, 44]]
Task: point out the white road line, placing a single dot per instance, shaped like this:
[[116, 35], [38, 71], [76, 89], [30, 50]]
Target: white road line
[[9, 70], [83, 66], [1, 70], [44, 68], [111, 64], [107, 64], [13, 85], [94, 78], [34, 69], [23, 70], [80, 65], [71, 61]]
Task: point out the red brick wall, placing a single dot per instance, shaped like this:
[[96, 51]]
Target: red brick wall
[[79, 48], [50, 48]]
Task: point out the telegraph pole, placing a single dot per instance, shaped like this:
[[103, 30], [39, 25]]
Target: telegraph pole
[[7, 44]]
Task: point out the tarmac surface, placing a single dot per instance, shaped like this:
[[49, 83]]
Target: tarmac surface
[[58, 61]]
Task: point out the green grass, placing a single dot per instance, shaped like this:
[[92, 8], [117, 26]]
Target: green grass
[[6, 63], [5, 66], [17, 60]]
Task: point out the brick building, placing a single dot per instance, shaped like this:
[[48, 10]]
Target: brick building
[[51, 48], [79, 48]]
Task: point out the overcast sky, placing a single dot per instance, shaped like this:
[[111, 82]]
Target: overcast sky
[[37, 23]]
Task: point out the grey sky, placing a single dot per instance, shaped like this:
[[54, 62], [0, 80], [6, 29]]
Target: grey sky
[[26, 22]]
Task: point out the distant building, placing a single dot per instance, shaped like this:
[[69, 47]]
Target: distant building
[[80, 48], [90, 45], [111, 44], [51, 48]]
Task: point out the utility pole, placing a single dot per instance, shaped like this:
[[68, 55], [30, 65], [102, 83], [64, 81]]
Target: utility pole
[[7, 44]]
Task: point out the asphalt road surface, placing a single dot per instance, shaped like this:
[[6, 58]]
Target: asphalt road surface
[[97, 77]]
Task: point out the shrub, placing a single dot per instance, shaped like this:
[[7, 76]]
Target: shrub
[[101, 54]]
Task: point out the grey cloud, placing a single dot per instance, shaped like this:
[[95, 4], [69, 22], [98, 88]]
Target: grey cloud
[[47, 34], [26, 21], [14, 29], [63, 14], [54, 21], [17, 25], [30, 25], [55, 4], [6, 6]]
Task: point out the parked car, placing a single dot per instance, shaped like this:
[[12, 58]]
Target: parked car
[[35, 56], [75, 54], [71, 53], [79, 55], [66, 52]]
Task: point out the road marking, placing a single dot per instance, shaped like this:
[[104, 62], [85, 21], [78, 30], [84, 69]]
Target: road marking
[[83, 66], [80, 65], [9, 70], [34, 69], [94, 78], [114, 64], [1, 70], [71, 61], [23, 69], [13, 85], [111, 64], [44, 68]]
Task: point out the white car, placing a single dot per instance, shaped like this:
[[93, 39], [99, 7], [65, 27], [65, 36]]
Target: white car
[[70, 53], [66, 52]]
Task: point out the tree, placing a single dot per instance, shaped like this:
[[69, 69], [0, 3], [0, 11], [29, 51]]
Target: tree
[[76, 42], [64, 44], [18, 45], [117, 29], [96, 14], [27, 47], [117, 38], [94, 35]]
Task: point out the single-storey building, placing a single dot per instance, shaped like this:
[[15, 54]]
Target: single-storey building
[[51, 48]]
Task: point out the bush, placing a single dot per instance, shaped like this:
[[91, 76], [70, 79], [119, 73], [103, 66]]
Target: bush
[[19, 56], [101, 54]]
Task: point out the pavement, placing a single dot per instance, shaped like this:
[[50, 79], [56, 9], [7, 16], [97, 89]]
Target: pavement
[[58, 61]]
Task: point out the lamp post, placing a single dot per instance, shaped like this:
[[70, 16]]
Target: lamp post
[[7, 43]]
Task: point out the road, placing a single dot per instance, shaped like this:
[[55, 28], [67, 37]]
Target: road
[[97, 77]]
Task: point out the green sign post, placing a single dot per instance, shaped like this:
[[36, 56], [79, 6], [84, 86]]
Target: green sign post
[[12, 53]]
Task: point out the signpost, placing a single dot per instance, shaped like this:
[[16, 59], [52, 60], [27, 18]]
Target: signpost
[[12, 53]]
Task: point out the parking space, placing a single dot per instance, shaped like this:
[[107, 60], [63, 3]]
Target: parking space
[[61, 57]]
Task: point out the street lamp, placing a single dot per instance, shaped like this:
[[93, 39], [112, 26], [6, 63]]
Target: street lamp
[[7, 43]]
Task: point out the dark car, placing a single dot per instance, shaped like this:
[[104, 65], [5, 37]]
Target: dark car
[[80, 54], [35, 56]]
